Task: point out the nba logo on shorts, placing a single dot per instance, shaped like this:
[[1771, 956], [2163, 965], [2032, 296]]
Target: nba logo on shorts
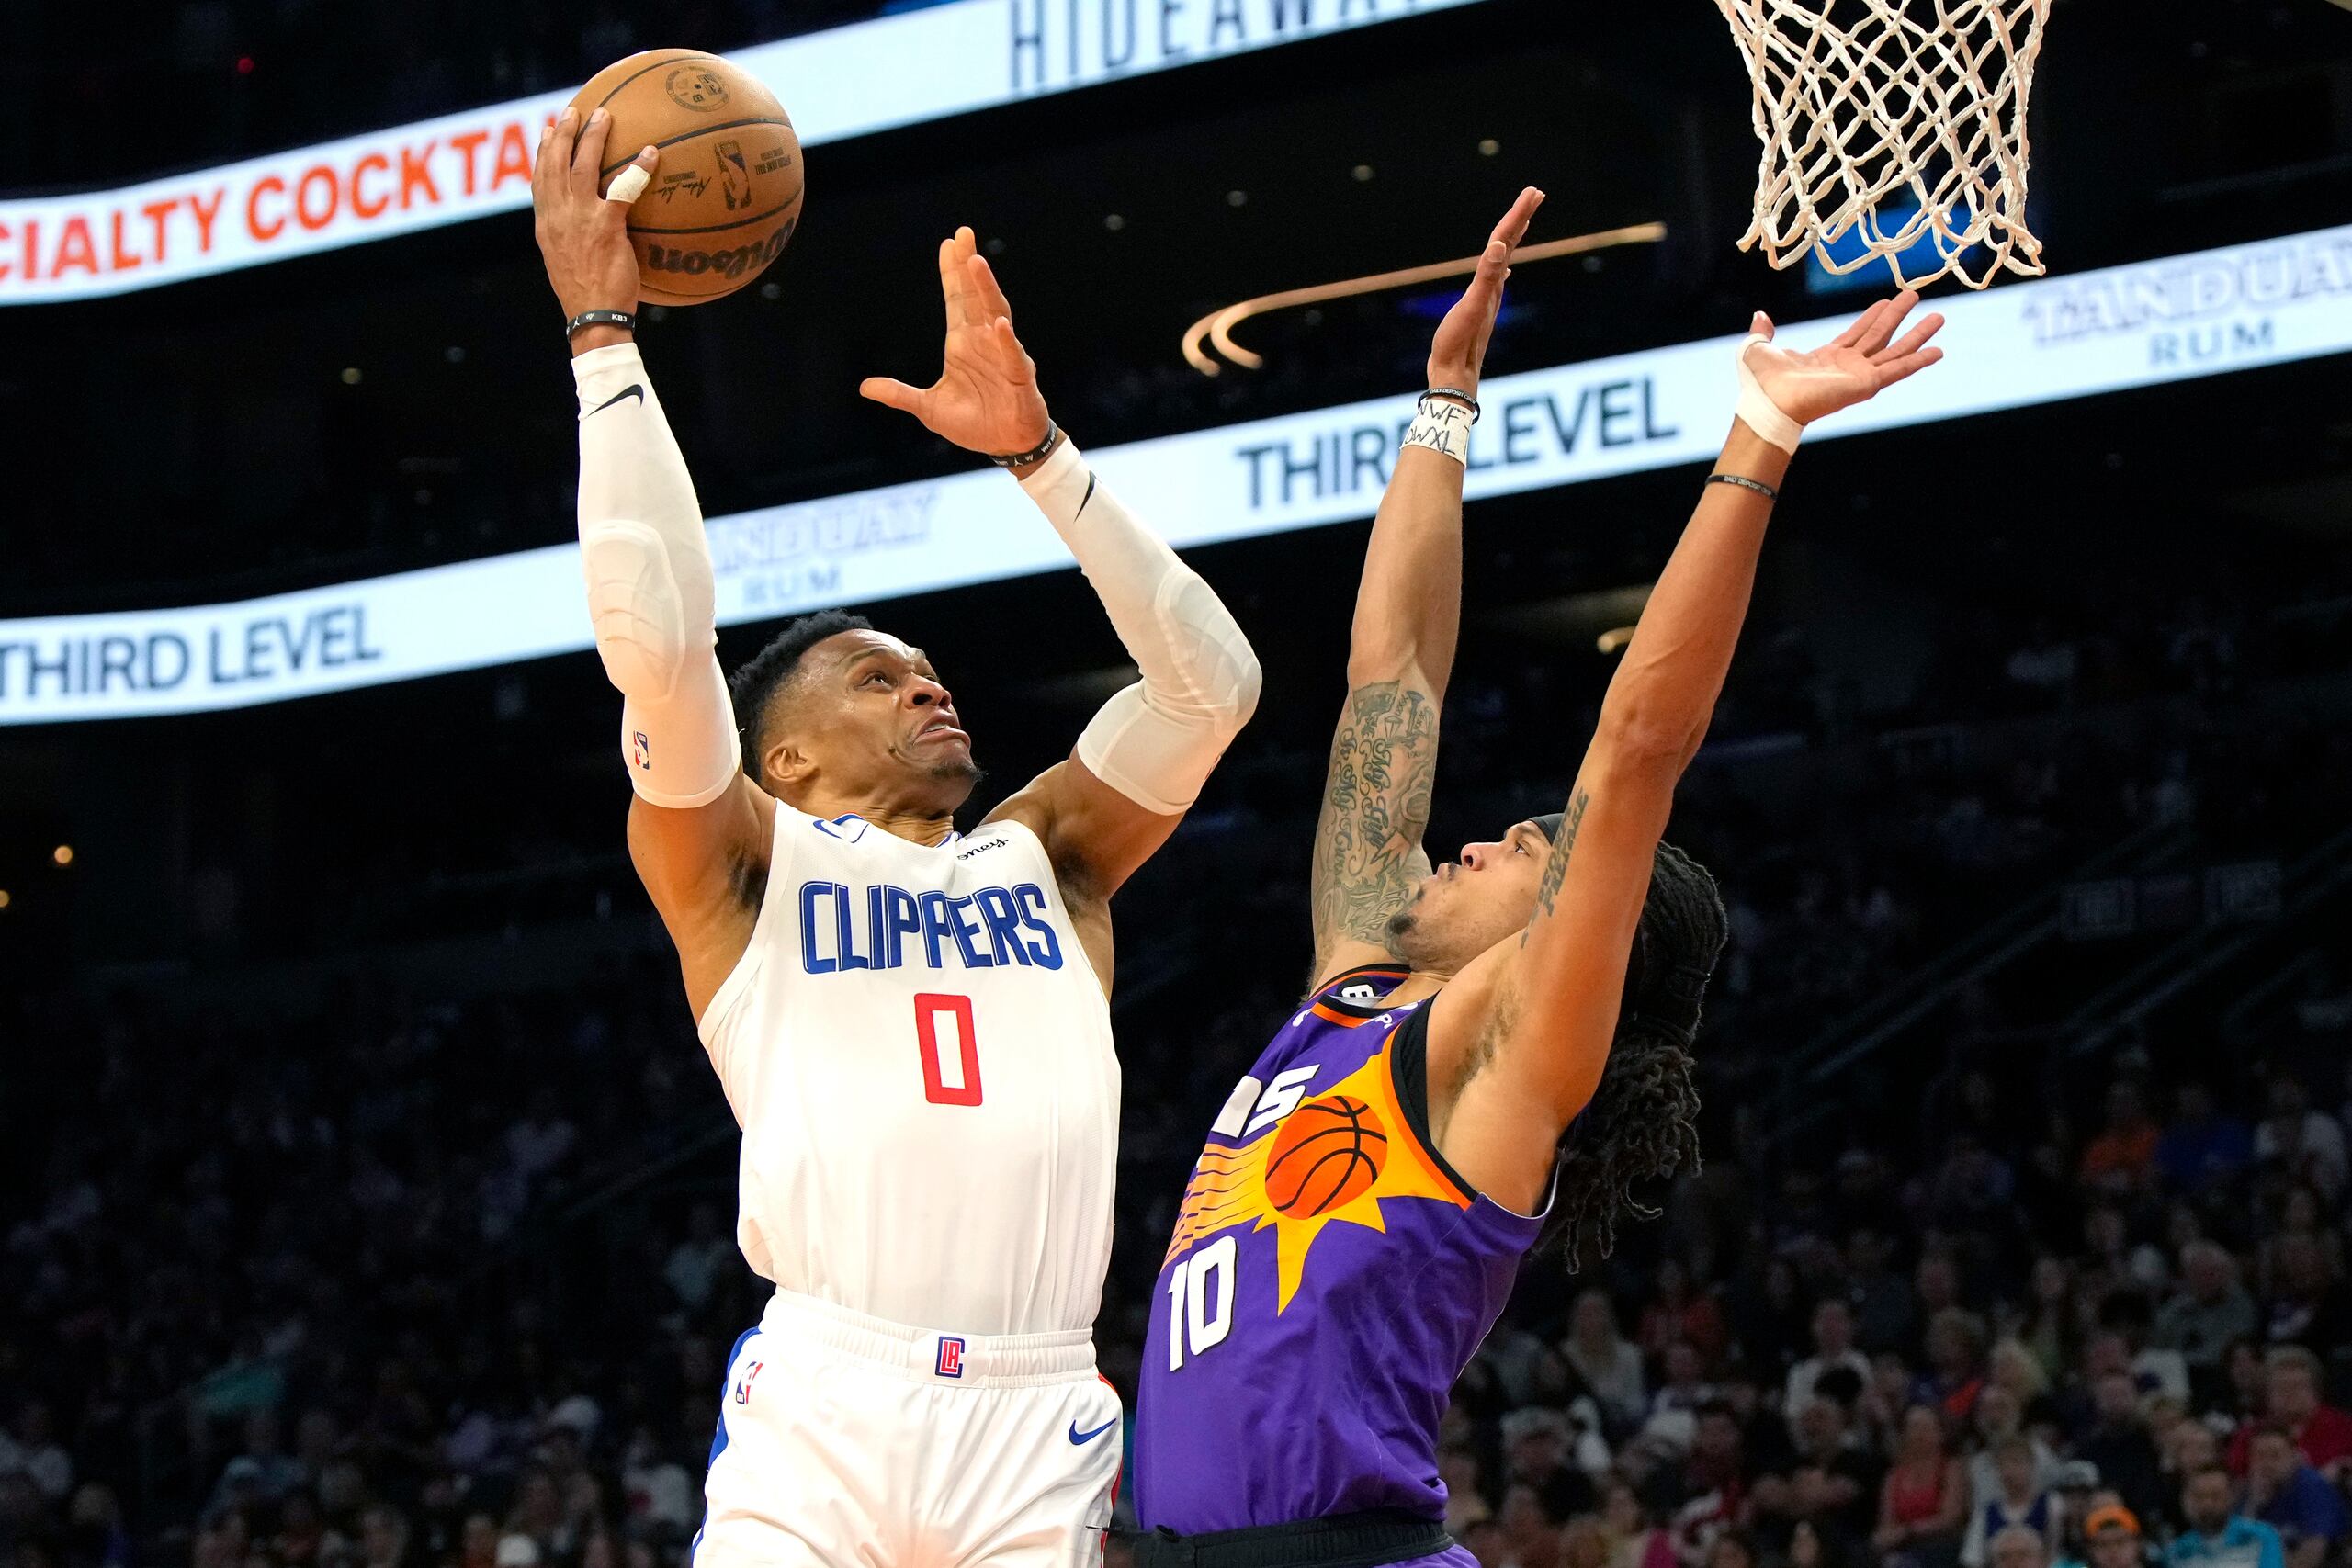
[[640, 750], [951, 1356], [743, 1387]]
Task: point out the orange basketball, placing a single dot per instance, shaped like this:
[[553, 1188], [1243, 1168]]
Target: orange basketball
[[726, 196], [1328, 1151]]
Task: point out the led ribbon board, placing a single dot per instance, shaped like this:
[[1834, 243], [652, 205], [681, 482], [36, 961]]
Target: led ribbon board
[[2029, 342], [945, 59]]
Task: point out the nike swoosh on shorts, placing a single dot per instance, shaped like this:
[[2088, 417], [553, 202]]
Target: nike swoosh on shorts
[[1077, 1437]]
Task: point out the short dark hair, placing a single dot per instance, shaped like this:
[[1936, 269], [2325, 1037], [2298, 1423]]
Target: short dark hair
[[754, 684], [1642, 1124]]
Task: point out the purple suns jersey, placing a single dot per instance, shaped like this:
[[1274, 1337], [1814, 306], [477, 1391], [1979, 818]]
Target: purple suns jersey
[[1328, 1279]]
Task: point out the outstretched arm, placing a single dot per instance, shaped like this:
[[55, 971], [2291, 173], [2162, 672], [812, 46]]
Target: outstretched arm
[[1368, 854], [1530, 1022], [1141, 762], [698, 829]]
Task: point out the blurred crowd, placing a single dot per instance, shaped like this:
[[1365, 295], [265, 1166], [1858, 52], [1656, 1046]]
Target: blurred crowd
[[382, 1277], [2130, 1346]]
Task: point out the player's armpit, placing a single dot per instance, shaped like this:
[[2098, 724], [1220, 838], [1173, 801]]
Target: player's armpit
[[706, 868], [1096, 836], [1368, 854]]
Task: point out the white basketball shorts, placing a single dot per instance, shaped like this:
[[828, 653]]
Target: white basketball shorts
[[848, 1442]]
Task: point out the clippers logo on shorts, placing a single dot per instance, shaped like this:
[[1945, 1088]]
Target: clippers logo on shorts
[[951, 1356], [640, 750], [844, 929], [743, 1384]]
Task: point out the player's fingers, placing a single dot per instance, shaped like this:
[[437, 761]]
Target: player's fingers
[[559, 149], [1513, 228], [892, 394], [1760, 325], [1009, 356], [951, 282], [588, 157], [1487, 278], [1892, 370], [1890, 316], [1859, 327], [987, 295], [628, 184], [1915, 339]]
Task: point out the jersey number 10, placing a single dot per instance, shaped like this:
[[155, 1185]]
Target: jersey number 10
[[1200, 1300], [947, 1079]]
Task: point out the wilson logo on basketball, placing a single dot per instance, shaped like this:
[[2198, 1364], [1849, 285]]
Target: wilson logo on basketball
[[1329, 1152], [733, 262]]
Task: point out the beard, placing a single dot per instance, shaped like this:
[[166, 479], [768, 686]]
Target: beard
[[1403, 935]]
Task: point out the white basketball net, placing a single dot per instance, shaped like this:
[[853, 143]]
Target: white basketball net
[[1902, 119]]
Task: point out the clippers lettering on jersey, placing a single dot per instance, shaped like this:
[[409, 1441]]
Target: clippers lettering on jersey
[[883, 927]]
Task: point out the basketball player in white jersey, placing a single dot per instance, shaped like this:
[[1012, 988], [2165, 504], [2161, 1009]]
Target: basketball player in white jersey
[[911, 1027]]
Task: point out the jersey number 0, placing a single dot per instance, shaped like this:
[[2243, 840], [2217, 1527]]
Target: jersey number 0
[[950, 1075]]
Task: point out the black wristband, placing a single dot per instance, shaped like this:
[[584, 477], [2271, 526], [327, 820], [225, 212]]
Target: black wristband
[[1758, 486], [1454, 392], [587, 318], [1036, 454]]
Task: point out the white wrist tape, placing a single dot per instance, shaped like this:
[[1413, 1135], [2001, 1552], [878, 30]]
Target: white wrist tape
[[1444, 428], [651, 593], [628, 184], [1156, 741], [1759, 412]]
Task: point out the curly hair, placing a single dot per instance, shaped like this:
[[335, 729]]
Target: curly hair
[[1642, 1124]]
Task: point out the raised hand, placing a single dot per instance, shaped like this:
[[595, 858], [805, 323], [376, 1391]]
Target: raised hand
[[986, 399], [1852, 368], [582, 237], [1459, 351]]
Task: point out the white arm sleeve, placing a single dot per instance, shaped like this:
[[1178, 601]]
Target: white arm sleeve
[[1156, 741], [650, 588]]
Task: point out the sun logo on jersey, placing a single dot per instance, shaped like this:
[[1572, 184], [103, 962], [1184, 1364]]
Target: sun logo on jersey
[[1331, 1161]]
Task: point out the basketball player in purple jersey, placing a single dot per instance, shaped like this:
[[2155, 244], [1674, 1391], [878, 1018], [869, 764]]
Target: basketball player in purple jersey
[[1490, 1053]]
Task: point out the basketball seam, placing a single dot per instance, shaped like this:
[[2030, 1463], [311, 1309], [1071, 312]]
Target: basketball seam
[[1354, 1150], [648, 70], [722, 227], [690, 135], [1358, 1133], [1351, 1116], [1339, 1187]]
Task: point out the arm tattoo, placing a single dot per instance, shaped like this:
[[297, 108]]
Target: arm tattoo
[[1375, 804], [1556, 870]]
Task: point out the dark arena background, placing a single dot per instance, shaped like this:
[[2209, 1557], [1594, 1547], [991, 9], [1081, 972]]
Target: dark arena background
[[368, 1200]]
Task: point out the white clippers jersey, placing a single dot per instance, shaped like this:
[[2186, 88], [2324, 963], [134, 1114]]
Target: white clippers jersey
[[919, 1053]]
